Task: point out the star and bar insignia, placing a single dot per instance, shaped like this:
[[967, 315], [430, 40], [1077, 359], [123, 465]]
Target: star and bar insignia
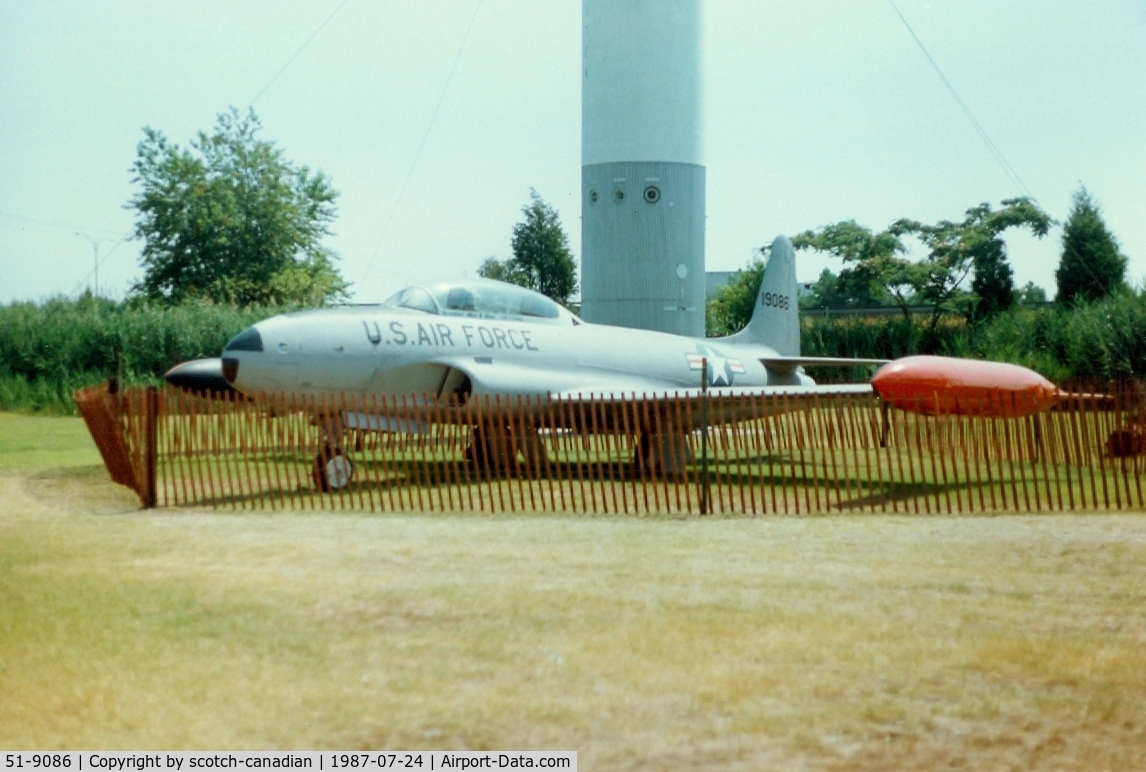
[[721, 369]]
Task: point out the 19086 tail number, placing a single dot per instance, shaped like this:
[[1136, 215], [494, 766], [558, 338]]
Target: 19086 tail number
[[774, 300]]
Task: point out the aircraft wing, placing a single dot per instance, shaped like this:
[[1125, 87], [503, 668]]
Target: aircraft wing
[[724, 405], [600, 411], [783, 364], [725, 393]]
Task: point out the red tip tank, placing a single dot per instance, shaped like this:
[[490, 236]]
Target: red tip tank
[[946, 386]]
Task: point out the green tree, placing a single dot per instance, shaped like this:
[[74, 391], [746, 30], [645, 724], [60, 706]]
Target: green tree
[[994, 281], [1092, 266], [232, 220], [955, 249], [504, 270], [732, 306], [541, 257], [824, 292], [875, 262], [1032, 294], [875, 273], [848, 290]]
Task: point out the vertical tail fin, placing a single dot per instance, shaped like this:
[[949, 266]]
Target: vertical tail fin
[[775, 321]]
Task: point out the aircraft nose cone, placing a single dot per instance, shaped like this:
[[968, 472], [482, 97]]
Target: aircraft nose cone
[[200, 376]]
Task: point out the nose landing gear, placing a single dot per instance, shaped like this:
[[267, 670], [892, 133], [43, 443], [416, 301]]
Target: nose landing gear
[[333, 469]]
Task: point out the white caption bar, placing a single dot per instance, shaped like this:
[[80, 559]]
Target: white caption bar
[[181, 761]]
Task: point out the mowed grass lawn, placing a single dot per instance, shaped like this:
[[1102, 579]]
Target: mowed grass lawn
[[836, 642]]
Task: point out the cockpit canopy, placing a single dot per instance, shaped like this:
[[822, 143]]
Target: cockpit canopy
[[480, 298]]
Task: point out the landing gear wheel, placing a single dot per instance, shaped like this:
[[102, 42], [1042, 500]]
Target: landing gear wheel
[[661, 454], [333, 471], [493, 451], [1127, 442]]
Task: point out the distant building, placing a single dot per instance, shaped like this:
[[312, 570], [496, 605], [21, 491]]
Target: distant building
[[714, 280]]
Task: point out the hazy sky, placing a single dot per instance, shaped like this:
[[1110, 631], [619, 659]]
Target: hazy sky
[[815, 111]]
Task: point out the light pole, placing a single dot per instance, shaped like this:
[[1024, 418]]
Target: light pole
[[95, 248]]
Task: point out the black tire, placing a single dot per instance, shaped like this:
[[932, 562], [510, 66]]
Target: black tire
[[492, 452]]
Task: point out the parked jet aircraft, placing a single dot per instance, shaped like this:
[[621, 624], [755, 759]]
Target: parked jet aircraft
[[487, 337], [452, 341]]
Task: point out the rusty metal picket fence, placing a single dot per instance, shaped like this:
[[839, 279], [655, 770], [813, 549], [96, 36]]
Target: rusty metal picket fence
[[786, 454]]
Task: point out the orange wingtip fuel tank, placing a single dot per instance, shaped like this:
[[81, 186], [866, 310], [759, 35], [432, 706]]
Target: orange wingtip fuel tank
[[946, 386]]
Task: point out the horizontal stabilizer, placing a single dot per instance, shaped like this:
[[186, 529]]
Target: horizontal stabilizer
[[788, 364]]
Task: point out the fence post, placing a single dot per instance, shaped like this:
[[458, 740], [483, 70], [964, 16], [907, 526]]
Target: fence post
[[151, 444], [705, 485]]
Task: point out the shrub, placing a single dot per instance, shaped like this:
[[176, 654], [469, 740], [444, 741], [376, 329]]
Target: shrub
[[1105, 340], [49, 349]]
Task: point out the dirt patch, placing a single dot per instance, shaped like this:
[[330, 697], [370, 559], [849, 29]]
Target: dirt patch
[[79, 490]]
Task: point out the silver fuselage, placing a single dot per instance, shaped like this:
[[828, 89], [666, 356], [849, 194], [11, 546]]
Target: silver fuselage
[[388, 350]]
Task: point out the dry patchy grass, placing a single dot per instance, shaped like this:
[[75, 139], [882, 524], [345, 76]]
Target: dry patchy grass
[[843, 642]]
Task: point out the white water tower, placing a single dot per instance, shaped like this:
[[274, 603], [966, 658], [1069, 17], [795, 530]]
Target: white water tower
[[642, 178]]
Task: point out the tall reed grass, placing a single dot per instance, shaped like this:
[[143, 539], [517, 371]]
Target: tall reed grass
[[49, 349], [1105, 340]]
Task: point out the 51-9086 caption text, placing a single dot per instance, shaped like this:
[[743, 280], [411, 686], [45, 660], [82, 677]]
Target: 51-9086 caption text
[[180, 761]]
